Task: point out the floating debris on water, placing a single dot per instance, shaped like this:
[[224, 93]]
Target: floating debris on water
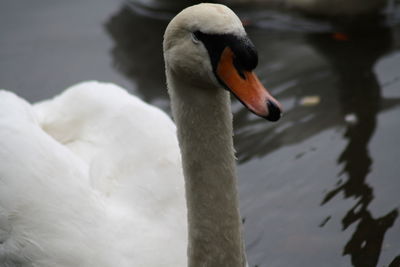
[[309, 101], [351, 118]]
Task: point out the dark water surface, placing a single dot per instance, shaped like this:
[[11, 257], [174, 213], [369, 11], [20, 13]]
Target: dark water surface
[[318, 188]]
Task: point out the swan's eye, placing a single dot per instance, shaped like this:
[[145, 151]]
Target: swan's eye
[[194, 38]]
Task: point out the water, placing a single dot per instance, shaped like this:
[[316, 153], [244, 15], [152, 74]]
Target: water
[[318, 188]]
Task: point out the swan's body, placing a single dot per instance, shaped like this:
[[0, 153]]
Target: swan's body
[[76, 182], [94, 176]]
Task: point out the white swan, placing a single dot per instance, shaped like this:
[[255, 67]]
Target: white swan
[[93, 177]]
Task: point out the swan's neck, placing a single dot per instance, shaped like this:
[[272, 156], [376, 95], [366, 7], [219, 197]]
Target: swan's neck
[[204, 122]]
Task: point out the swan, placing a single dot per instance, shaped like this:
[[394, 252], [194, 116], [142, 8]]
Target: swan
[[97, 177]]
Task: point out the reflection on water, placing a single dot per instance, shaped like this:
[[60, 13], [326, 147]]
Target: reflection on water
[[337, 68], [137, 53], [395, 262], [360, 95]]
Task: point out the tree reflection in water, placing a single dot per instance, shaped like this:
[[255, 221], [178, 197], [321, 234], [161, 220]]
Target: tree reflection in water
[[359, 94], [137, 53]]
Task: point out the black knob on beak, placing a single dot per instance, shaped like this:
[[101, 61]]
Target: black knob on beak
[[274, 112]]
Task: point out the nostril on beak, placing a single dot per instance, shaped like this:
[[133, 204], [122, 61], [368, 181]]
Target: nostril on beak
[[274, 112]]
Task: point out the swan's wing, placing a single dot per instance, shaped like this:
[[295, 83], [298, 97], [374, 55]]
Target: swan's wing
[[48, 214], [69, 192], [127, 143], [134, 162]]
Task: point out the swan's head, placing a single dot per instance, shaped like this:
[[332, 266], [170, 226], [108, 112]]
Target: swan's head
[[206, 45]]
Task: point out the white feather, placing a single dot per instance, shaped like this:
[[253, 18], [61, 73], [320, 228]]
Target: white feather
[[90, 178]]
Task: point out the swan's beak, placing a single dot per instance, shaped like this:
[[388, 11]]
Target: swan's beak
[[246, 86]]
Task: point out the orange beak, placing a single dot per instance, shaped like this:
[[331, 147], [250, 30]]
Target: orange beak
[[247, 88]]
